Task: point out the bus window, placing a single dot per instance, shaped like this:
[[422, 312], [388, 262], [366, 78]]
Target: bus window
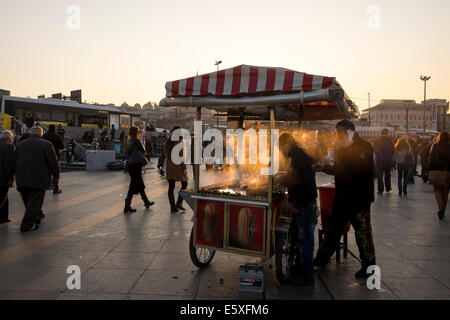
[[59, 116], [43, 116]]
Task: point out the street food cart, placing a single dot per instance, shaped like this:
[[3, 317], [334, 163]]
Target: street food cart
[[241, 217]]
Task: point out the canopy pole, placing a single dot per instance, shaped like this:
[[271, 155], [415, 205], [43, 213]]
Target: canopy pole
[[272, 126], [197, 166]]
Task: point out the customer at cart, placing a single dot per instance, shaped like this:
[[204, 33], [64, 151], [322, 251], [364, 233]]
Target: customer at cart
[[353, 171], [174, 173], [301, 183]]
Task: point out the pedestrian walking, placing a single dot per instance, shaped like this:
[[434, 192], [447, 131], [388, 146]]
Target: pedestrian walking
[[353, 171], [136, 160], [439, 171], [58, 145], [29, 121], [404, 159], [384, 152], [174, 173], [162, 157], [302, 195], [36, 163], [61, 132], [113, 132], [424, 156], [415, 148], [7, 168]]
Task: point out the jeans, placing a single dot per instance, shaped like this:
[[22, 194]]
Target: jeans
[[305, 222], [384, 169], [403, 172]]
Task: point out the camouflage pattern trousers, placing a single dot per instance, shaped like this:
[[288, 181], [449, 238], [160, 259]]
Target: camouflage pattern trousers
[[363, 236]]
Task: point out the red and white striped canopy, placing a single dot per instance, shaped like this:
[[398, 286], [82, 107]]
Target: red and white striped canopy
[[246, 79]]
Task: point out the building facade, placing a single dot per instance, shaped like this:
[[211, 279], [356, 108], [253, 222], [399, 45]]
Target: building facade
[[407, 115]]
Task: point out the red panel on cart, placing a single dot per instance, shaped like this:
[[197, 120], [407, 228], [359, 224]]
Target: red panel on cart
[[246, 227], [210, 223]]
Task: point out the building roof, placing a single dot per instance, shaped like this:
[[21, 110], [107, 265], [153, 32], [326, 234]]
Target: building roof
[[62, 103]]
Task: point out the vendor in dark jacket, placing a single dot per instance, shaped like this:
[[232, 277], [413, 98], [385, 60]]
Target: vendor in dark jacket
[[58, 144], [353, 171], [301, 183]]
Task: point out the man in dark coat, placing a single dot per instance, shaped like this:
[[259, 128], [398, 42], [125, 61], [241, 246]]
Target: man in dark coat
[[36, 163], [384, 153], [6, 172], [58, 144], [353, 171]]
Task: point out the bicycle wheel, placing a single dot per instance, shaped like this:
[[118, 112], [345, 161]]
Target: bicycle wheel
[[284, 257], [200, 257]]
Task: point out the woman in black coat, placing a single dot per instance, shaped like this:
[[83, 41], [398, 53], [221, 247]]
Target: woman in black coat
[[135, 161], [439, 160]]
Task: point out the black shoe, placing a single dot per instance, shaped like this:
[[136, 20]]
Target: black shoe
[[441, 213], [400, 193], [380, 193], [129, 210], [29, 229], [57, 191], [405, 193], [180, 206], [149, 204], [362, 273], [174, 210], [318, 263]]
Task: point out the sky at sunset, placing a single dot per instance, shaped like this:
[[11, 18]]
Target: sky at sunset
[[127, 50]]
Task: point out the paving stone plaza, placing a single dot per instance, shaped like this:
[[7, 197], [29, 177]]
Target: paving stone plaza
[[145, 255]]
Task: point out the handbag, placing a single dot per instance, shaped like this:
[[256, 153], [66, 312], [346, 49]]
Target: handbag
[[137, 157], [439, 178]]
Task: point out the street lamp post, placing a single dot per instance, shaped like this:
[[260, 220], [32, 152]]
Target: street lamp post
[[424, 79], [217, 64]]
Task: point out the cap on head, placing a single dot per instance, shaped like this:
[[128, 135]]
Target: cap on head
[[345, 124], [7, 136], [36, 131]]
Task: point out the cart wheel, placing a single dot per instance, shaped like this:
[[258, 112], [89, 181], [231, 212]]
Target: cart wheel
[[201, 257], [284, 258]]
